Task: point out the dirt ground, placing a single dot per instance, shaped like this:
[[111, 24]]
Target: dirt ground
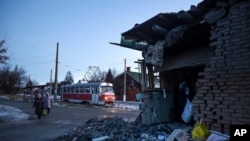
[[61, 119]]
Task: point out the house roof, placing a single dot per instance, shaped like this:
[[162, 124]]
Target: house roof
[[134, 75]]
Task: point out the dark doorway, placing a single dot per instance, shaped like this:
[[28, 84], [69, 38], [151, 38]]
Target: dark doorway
[[174, 79]]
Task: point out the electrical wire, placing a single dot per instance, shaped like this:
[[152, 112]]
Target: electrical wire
[[27, 45], [129, 61]]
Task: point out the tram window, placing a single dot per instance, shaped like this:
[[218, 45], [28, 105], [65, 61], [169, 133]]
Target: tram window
[[82, 89], [94, 90], [73, 89], [106, 89], [87, 89], [77, 90], [68, 89]]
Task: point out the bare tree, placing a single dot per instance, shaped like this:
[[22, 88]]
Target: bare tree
[[11, 81], [3, 50]]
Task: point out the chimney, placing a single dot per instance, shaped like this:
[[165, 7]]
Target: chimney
[[128, 69]]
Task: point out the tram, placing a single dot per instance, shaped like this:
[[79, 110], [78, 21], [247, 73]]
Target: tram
[[93, 93]]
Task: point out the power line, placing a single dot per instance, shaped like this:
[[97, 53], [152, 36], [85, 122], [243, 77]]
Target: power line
[[39, 56], [31, 61], [27, 45], [108, 64]]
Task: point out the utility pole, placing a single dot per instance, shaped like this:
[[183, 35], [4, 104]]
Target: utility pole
[[143, 74], [124, 89], [51, 82], [56, 72], [139, 71]]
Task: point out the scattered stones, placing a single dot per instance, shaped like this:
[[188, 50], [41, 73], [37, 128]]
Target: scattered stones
[[116, 128]]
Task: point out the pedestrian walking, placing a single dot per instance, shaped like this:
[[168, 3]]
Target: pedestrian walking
[[35, 94], [39, 106], [48, 102]]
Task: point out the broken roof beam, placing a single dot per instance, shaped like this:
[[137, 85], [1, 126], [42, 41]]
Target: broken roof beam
[[150, 36], [135, 47], [168, 17], [159, 29], [185, 17]]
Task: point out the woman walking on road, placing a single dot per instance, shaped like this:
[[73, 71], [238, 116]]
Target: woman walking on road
[[39, 106], [48, 102]]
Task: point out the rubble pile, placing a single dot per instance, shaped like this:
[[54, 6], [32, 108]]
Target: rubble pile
[[115, 128]]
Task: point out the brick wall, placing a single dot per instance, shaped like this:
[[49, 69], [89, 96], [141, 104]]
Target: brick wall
[[223, 95]]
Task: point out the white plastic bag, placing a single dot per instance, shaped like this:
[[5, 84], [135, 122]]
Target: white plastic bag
[[187, 112]]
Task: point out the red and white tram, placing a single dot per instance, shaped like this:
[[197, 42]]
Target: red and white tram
[[94, 93]]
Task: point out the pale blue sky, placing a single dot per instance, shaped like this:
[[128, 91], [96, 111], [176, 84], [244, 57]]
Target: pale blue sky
[[83, 28]]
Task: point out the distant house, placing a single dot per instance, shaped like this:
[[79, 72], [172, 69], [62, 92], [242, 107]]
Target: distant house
[[133, 85], [48, 87]]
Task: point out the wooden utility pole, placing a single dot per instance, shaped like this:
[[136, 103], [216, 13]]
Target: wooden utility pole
[[56, 72], [143, 75], [124, 89], [51, 82]]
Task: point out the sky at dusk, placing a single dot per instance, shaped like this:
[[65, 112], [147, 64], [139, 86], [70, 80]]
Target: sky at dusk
[[83, 29]]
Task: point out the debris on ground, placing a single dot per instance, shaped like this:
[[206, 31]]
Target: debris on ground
[[116, 128]]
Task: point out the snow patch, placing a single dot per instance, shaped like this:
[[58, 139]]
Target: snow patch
[[12, 114]]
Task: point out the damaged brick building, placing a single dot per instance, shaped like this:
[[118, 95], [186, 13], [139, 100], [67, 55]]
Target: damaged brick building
[[209, 47]]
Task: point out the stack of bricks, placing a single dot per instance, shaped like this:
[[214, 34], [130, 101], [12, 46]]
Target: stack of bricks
[[223, 96]]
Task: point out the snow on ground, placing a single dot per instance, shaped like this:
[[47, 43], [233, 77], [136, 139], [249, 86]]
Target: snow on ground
[[127, 105], [4, 97], [12, 114]]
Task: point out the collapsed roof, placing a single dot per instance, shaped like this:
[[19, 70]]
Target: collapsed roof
[[171, 33], [176, 28]]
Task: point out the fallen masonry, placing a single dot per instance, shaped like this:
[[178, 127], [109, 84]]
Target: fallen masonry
[[116, 128]]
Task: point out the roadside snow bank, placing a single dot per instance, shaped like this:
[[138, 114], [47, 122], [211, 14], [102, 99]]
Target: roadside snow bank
[[12, 114], [127, 105]]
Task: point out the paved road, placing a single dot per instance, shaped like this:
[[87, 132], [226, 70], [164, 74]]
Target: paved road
[[61, 119]]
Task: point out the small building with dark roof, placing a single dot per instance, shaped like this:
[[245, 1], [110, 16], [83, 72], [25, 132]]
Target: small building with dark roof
[[133, 85]]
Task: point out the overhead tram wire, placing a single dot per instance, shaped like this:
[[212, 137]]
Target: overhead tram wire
[[30, 46], [40, 56], [31, 62], [68, 66], [27, 45], [111, 64], [119, 62]]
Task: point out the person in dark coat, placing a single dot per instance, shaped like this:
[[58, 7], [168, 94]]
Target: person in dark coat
[[39, 106]]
